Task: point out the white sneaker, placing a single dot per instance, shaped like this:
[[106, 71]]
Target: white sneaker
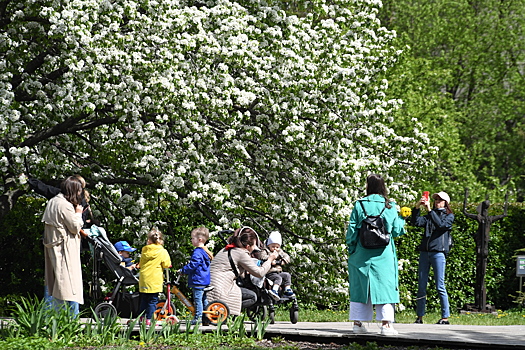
[[360, 329], [388, 331]]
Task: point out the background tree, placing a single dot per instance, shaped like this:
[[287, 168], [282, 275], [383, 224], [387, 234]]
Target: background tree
[[461, 76], [226, 111]]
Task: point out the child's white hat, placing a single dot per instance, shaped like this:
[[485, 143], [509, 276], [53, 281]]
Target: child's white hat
[[275, 237]]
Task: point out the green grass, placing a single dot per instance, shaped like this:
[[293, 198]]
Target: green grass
[[39, 327], [502, 318]]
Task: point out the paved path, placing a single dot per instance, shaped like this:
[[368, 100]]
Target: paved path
[[446, 336], [471, 337]]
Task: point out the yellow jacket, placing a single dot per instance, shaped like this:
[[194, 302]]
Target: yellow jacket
[[153, 260]]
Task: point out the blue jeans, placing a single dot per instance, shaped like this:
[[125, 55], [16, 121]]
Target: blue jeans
[[148, 304], [56, 304], [438, 262], [199, 301]]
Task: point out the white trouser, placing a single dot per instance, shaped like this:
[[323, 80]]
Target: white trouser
[[365, 312]]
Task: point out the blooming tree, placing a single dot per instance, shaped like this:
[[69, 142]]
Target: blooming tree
[[239, 111]]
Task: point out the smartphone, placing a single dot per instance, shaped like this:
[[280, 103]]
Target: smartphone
[[426, 195]]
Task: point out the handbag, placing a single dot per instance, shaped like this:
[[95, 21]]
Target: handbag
[[238, 278], [373, 233]]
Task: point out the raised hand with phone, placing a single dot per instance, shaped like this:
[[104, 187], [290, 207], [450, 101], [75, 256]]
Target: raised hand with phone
[[425, 200]]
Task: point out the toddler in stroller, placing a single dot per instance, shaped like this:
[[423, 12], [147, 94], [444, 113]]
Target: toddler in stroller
[[120, 302], [275, 288], [279, 280]]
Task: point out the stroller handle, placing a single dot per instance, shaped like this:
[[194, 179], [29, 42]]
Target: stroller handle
[[223, 232]]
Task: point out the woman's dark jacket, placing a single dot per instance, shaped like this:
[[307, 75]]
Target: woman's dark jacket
[[49, 192], [437, 224]]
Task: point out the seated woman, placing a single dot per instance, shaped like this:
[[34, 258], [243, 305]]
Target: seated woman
[[222, 277]]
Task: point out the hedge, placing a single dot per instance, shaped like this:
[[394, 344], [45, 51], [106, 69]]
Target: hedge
[[22, 262], [506, 236]]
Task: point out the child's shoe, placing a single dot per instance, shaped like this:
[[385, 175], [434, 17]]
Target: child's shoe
[[289, 292], [195, 321], [442, 321], [148, 322], [274, 295]]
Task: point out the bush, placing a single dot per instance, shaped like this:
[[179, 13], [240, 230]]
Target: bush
[[506, 236], [319, 271], [22, 257]]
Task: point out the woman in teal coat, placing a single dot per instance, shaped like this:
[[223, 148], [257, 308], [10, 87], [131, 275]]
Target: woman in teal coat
[[373, 273]]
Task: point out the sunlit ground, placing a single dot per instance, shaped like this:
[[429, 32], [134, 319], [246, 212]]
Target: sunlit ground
[[501, 318]]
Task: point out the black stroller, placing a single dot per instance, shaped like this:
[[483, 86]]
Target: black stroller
[[264, 307], [120, 302]]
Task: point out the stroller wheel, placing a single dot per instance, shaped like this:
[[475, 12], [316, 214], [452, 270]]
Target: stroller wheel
[[294, 315], [257, 311], [106, 310], [216, 312], [172, 319]]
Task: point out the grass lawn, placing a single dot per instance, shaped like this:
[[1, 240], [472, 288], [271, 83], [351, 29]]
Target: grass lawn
[[502, 318]]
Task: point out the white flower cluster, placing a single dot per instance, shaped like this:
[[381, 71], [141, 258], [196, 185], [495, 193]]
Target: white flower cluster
[[239, 109]]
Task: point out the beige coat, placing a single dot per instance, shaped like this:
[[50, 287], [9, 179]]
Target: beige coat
[[63, 271], [222, 277]]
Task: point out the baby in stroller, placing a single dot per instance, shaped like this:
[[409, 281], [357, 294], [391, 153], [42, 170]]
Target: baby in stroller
[[124, 250], [275, 287], [280, 280]]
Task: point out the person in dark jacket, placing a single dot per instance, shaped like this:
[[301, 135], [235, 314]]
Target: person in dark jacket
[[434, 248], [198, 270], [49, 192]]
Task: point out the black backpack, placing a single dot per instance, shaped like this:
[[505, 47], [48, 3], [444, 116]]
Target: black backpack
[[373, 233]]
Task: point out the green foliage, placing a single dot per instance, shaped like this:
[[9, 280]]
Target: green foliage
[[460, 76], [506, 236], [29, 343], [258, 328], [22, 270], [36, 318], [104, 331]]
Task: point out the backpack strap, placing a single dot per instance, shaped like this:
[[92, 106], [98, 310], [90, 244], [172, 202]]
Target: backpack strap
[[232, 264], [362, 206], [364, 210]]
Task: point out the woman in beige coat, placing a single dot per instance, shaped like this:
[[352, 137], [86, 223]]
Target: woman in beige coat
[[241, 244], [63, 223]]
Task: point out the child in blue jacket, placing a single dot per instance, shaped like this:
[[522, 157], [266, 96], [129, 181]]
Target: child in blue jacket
[[198, 270]]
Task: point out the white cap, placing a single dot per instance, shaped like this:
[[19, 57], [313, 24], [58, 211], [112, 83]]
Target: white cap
[[443, 195], [275, 237]]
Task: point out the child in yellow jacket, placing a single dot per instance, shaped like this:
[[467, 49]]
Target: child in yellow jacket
[[153, 260]]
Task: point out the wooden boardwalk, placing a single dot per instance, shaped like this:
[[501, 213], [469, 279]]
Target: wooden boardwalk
[[446, 336], [453, 336]]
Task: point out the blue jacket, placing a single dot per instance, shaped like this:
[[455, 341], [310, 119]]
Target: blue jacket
[[198, 269], [437, 224]]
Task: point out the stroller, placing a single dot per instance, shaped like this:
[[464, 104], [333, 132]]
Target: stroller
[[120, 302], [264, 307]]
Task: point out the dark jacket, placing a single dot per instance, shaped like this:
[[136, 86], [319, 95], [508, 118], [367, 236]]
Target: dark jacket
[[437, 224], [49, 192], [198, 269]]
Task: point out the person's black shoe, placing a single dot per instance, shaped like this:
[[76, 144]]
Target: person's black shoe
[[419, 321], [442, 321]]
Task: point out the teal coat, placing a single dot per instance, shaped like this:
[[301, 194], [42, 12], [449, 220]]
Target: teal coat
[[373, 273]]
